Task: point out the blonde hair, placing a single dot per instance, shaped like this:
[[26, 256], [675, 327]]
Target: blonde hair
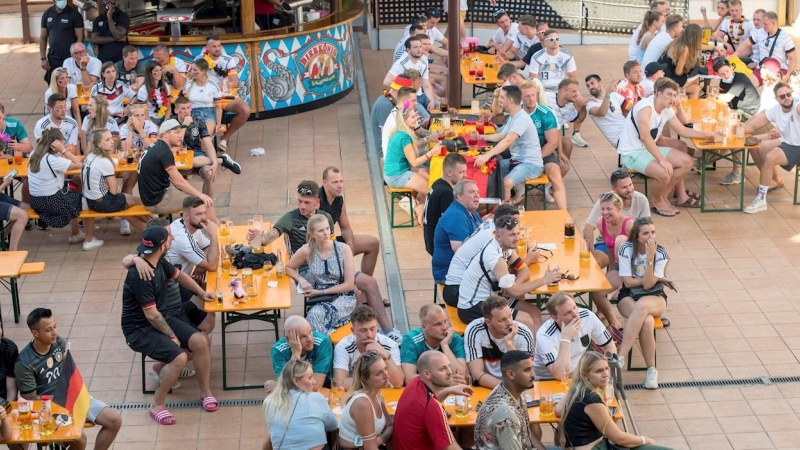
[[400, 120], [94, 143], [534, 83], [279, 403], [311, 227], [54, 82], [100, 119], [361, 374], [580, 387], [613, 198]]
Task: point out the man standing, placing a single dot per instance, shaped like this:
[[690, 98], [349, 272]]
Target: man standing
[[57, 118], [223, 67], [457, 223], [607, 107], [413, 59], [434, 334], [130, 70], [674, 27], [110, 32], [420, 414], [82, 68], [440, 195], [502, 421], [301, 343], [775, 43], [40, 366], [365, 337], [62, 26], [331, 200], [520, 136], [784, 152], [735, 29], [161, 187]]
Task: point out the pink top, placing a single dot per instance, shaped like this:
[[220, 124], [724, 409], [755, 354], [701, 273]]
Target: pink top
[[608, 238]]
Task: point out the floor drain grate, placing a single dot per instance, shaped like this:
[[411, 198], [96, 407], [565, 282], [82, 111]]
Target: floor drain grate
[[718, 383], [192, 404]]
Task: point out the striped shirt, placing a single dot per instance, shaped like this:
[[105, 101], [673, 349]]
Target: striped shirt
[[346, 352], [68, 127], [222, 67], [187, 248], [479, 344], [548, 342], [115, 96]]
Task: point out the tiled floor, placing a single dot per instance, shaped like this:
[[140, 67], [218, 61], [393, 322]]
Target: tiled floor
[[735, 317]]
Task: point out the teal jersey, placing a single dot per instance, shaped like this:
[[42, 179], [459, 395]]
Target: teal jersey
[[414, 345], [320, 358], [544, 120]]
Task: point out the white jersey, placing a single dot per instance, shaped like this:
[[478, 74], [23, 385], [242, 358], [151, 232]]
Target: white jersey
[[475, 287], [633, 47], [188, 249], [523, 43], [204, 96], [787, 123], [93, 67], [433, 33], [635, 268], [500, 37], [630, 140], [551, 69], [471, 246], [95, 170], [648, 86], [759, 52], [50, 178], [777, 46], [610, 124], [655, 48], [222, 67], [404, 62], [564, 114], [388, 129], [68, 127], [115, 96], [741, 30], [111, 125], [479, 344], [548, 342], [72, 93], [346, 352], [150, 129]]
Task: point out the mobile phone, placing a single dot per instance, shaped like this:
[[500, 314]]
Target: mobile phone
[[11, 174], [533, 403]]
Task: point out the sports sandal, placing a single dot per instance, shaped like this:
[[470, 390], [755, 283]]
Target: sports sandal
[[210, 404], [163, 417]]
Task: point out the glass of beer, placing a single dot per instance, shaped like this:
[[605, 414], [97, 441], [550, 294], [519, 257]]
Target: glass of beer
[[462, 406], [443, 106], [25, 417], [569, 228], [79, 86], [255, 243], [584, 254], [546, 405], [522, 247]]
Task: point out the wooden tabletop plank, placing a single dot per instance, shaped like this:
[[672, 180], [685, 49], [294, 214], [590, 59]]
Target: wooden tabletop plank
[[66, 433], [11, 263]]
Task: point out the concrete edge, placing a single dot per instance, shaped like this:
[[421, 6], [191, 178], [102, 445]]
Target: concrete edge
[[394, 284]]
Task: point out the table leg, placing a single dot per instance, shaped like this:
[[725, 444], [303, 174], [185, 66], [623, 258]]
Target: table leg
[[703, 161], [224, 354], [15, 299], [745, 156], [230, 318]]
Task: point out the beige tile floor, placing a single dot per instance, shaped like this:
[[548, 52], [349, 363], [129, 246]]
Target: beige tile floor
[[735, 317]]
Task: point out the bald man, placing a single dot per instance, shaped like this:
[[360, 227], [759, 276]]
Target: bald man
[[302, 343]]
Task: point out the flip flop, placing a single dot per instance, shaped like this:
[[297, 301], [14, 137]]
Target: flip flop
[[776, 187], [210, 404], [223, 145], [663, 212], [163, 417], [157, 377], [689, 203]]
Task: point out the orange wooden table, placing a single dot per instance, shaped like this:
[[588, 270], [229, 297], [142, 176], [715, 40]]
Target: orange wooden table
[[22, 169], [490, 68], [10, 267], [266, 306], [63, 433]]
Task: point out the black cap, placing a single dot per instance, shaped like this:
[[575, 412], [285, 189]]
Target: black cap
[[152, 239], [652, 68]]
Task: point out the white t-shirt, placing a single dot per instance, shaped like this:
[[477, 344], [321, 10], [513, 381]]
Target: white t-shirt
[[404, 62], [72, 93], [202, 96], [499, 37], [610, 124], [187, 248], [475, 288], [759, 52], [655, 48], [68, 127], [399, 49], [523, 43], [471, 246], [115, 96], [747, 25], [788, 124], [478, 345], [346, 352], [150, 130], [637, 269], [388, 129], [548, 342], [111, 125], [783, 46], [648, 86], [95, 170], [629, 140], [93, 67], [462, 4], [564, 114], [223, 65], [551, 69], [143, 96], [768, 99], [44, 183]]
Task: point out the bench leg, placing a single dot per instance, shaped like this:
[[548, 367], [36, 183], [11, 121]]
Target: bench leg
[[144, 376], [15, 299]]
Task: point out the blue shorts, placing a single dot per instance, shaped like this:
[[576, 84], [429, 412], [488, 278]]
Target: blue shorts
[[521, 173], [639, 159], [601, 246], [398, 181], [205, 114]]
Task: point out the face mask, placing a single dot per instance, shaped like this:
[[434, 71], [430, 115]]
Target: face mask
[[61, 4], [729, 80]]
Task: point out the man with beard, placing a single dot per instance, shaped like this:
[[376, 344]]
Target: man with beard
[[434, 334], [606, 108], [414, 59], [110, 32]]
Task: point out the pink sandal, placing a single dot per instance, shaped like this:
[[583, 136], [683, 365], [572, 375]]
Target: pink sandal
[[210, 404], [163, 417]]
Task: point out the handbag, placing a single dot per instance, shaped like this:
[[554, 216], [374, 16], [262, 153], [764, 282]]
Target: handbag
[[328, 298], [638, 292]]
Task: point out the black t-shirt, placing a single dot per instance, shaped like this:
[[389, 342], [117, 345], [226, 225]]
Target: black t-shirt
[[138, 294], [129, 76], [440, 196], [745, 95], [61, 30], [8, 358], [113, 50], [578, 426], [194, 135], [153, 176], [531, 51], [334, 209], [293, 224]]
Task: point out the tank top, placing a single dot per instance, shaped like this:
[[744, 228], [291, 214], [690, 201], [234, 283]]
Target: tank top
[[347, 426], [608, 238]]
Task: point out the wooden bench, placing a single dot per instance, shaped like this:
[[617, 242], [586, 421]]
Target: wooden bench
[[31, 268], [132, 211], [396, 195], [537, 183], [458, 326], [657, 325], [341, 333]]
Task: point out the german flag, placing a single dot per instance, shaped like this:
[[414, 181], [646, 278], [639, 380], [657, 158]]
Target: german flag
[[71, 392]]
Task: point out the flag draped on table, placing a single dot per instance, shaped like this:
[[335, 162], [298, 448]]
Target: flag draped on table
[[71, 392]]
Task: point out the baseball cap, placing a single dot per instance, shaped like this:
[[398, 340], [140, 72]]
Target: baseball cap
[[652, 68], [152, 239], [401, 82], [169, 125]]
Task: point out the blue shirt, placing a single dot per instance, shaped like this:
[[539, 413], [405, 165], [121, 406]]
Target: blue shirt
[[320, 358], [456, 224], [414, 345]]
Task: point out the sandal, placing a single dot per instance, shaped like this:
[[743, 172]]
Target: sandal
[[223, 145], [386, 302], [690, 194], [210, 404], [690, 203], [163, 417], [664, 212]]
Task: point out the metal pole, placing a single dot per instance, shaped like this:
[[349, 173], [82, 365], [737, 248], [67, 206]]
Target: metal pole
[[453, 54]]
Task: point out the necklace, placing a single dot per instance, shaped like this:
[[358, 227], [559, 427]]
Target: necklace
[[736, 36]]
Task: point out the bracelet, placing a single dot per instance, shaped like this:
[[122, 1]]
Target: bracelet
[[567, 341], [644, 441], [44, 59], [479, 378]]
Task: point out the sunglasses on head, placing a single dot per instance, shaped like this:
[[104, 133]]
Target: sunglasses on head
[[644, 221], [304, 191], [552, 39], [619, 174], [499, 13], [507, 222], [434, 13]]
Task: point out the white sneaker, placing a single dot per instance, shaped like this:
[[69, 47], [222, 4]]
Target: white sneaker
[[124, 227], [548, 193], [577, 139], [92, 245], [78, 238], [651, 382], [731, 179], [756, 206], [394, 335]]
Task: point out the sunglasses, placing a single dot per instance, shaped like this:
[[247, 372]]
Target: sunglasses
[[607, 196], [499, 13], [785, 96], [542, 256], [480, 78], [434, 13], [644, 221], [506, 222], [555, 39], [619, 174], [304, 191]]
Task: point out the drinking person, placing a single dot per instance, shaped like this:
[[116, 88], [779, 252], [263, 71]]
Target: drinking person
[[99, 117], [365, 422]]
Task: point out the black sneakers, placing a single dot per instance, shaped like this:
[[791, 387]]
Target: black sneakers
[[230, 164]]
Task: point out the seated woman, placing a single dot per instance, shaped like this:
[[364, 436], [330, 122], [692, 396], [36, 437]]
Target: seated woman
[[332, 272], [205, 96], [682, 56], [56, 205], [114, 90], [59, 84], [100, 182], [295, 403], [641, 266], [365, 422], [651, 24], [614, 228], [155, 93], [99, 117], [402, 156], [586, 423]]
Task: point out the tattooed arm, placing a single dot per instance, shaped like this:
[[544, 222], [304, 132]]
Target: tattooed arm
[[157, 321]]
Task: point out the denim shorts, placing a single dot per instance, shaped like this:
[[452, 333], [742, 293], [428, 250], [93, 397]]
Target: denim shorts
[[398, 181], [205, 114], [639, 159], [521, 173]]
